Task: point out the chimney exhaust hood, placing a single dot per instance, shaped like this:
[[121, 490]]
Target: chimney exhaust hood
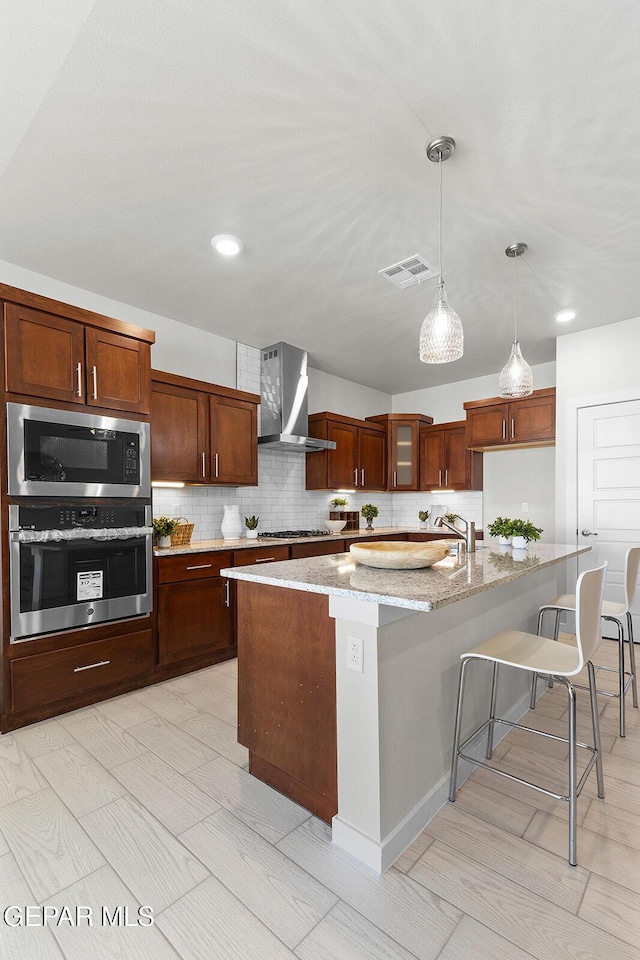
[[283, 401]]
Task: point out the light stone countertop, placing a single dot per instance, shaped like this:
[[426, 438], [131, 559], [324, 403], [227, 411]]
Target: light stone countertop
[[452, 579], [204, 546]]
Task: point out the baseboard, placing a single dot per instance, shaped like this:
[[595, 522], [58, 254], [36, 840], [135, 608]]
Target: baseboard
[[379, 856]]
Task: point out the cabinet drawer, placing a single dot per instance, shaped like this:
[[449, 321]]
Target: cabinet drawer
[[191, 566], [323, 549], [242, 558], [48, 677]]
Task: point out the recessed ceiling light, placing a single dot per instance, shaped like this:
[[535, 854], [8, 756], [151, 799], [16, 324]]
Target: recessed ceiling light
[[565, 315], [226, 244]]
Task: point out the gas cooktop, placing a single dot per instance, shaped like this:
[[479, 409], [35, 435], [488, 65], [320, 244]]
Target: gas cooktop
[[288, 534]]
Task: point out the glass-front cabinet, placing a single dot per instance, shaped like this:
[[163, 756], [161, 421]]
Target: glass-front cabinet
[[403, 445]]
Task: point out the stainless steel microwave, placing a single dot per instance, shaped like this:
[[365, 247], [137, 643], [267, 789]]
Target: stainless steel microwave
[[64, 453]]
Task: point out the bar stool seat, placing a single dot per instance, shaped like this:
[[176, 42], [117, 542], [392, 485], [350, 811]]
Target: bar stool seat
[[614, 613], [536, 654]]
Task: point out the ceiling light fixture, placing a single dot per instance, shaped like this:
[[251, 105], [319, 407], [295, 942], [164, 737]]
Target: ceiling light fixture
[[565, 315], [226, 244], [441, 334], [516, 379]]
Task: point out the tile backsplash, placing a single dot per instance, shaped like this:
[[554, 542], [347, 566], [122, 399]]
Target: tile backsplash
[[281, 500]]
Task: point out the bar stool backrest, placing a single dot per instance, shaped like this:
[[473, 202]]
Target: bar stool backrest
[[631, 564], [589, 595]]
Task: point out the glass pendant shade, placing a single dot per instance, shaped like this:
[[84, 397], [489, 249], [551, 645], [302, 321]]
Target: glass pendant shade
[[441, 334], [516, 378]]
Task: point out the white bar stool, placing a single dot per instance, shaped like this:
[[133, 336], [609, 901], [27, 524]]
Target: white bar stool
[[527, 651], [614, 612]]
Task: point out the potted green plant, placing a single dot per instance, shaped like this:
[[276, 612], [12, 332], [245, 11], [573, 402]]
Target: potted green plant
[[251, 523], [423, 516], [522, 533], [163, 527], [338, 503], [369, 511], [501, 528]]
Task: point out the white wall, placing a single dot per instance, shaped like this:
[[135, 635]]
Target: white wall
[[179, 348], [444, 403], [514, 477], [601, 365], [327, 392]]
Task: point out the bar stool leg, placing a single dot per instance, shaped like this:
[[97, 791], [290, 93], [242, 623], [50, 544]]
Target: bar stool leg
[[621, 677], [492, 711], [573, 805], [456, 736], [595, 720], [632, 658], [534, 677], [556, 631]]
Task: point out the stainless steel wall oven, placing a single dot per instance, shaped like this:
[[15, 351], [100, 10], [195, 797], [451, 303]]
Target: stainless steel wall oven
[[77, 563]]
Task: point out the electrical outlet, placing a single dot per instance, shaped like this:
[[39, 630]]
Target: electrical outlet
[[175, 510], [354, 654], [525, 508]]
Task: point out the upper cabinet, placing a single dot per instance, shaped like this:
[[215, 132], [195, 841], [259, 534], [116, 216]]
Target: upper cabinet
[[527, 422], [201, 433], [55, 357], [359, 460], [403, 446], [445, 461]]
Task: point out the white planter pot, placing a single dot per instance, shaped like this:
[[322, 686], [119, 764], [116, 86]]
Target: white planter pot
[[519, 543], [504, 541], [252, 534], [423, 524], [231, 524], [164, 542]]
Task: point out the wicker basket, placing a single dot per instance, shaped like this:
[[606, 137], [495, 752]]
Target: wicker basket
[[181, 536]]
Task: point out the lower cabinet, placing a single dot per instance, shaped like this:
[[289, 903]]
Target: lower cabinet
[[194, 608], [78, 672]]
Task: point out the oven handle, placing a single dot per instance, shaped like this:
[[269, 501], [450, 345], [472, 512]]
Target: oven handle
[[80, 533]]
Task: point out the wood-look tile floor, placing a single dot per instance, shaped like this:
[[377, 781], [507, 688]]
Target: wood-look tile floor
[[145, 800]]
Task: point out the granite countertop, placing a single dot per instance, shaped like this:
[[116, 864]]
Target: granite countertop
[[452, 579], [203, 546]]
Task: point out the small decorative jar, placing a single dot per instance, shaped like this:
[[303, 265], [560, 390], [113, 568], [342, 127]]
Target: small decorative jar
[[164, 542], [231, 524]]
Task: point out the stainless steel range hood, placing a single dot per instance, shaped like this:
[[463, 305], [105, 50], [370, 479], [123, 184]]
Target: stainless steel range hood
[[283, 408]]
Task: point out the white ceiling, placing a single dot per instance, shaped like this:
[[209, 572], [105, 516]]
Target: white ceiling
[[134, 132]]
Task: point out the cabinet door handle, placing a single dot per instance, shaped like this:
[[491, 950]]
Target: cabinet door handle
[[504, 429], [91, 666], [395, 478], [79, 375], [355, 477], [362, 477], [513, 429], [264, 559], [227, 596], [201, 566], [446, 478], [216, 464], [204, 469], [94, 374], [439, 478]]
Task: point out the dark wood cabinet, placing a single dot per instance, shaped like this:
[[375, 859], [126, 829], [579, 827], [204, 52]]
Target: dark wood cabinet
[[359, 460], [202, 433], [527, 422], [445, 461], [403, 448], [322, 548], [194, 608], [55, 358]]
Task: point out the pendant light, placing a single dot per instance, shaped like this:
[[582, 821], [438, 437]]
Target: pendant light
[[441, 334], [516, 379]]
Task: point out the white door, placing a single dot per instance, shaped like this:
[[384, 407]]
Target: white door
[[609, 491]]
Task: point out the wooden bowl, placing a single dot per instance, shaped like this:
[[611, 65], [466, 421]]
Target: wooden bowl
[[398, 555]]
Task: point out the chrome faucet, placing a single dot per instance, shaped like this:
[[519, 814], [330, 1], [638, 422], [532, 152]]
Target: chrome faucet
[[469, 535]]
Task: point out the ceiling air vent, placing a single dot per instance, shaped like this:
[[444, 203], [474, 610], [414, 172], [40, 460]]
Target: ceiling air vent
[[413, 270]]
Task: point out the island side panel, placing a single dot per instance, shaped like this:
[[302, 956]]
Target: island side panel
[[287, 693]]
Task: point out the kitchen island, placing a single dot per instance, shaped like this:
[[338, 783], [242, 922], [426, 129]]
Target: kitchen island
[[347, 679]]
